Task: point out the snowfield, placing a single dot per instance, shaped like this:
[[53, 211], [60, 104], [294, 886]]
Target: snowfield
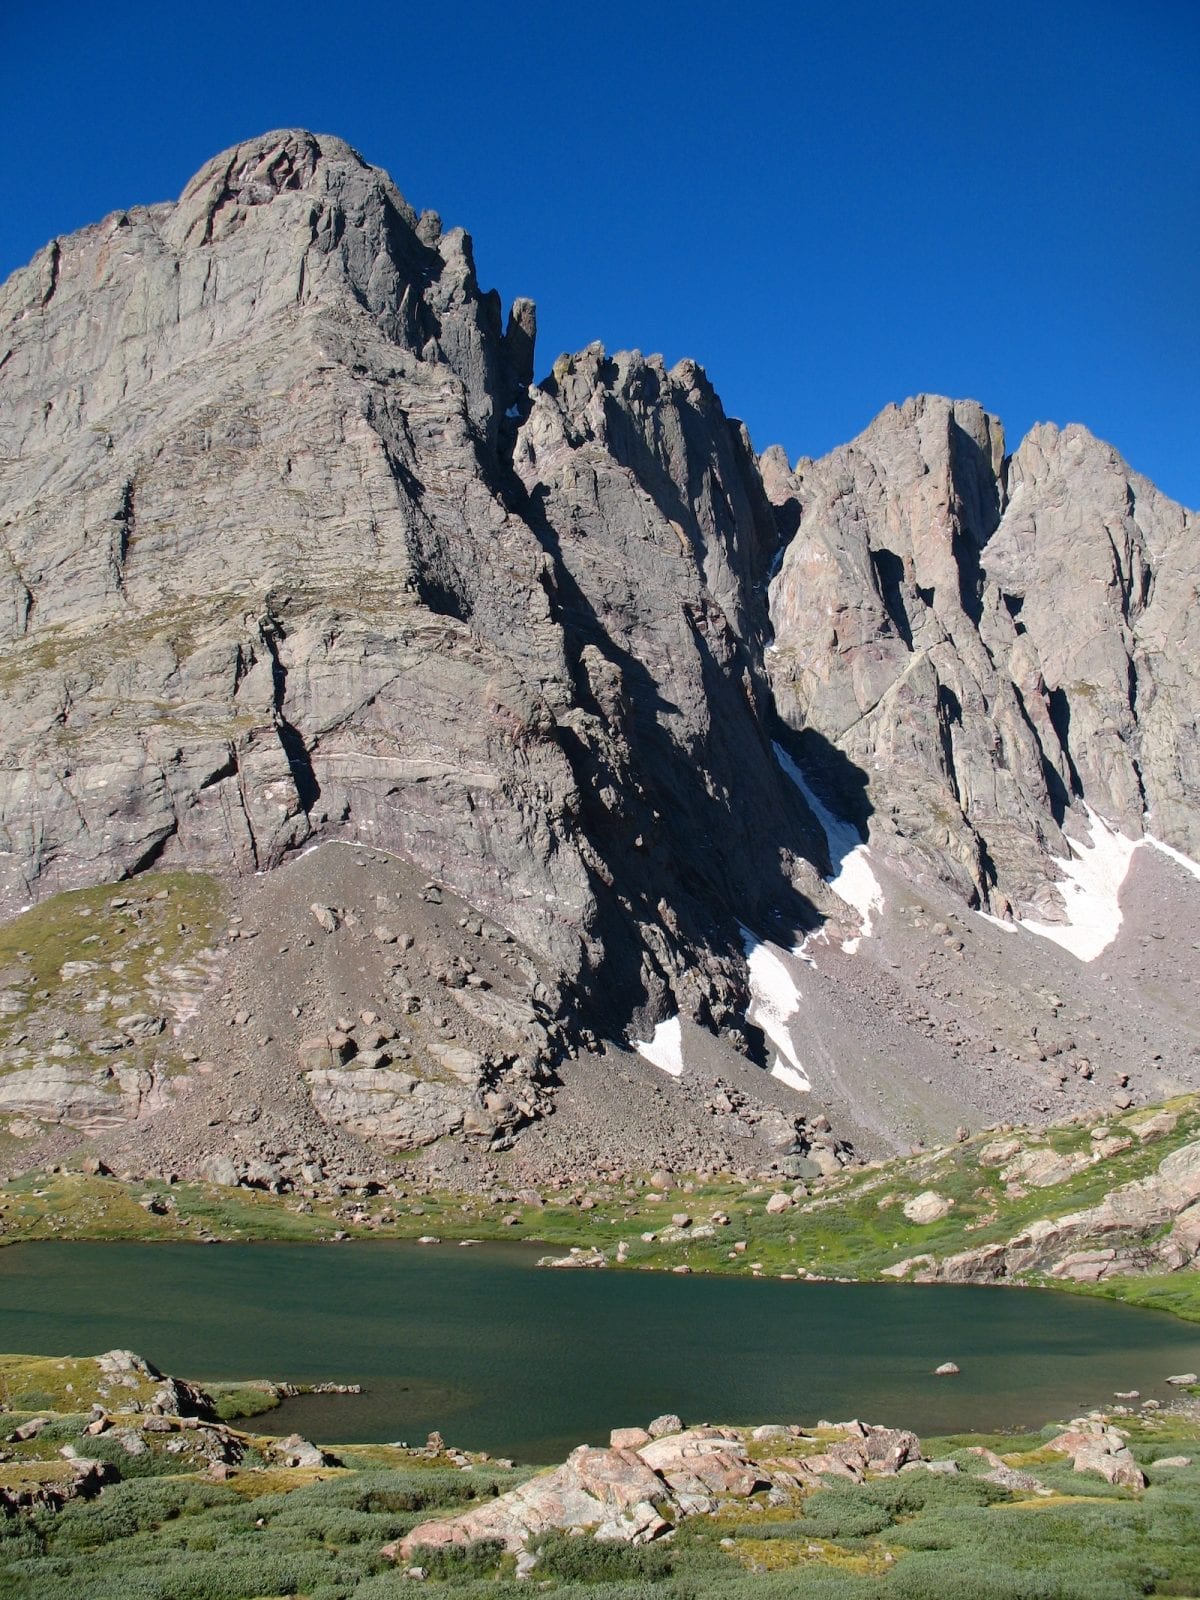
[[854, 879], [774, 1001], [665, 1050], [1091, 890]]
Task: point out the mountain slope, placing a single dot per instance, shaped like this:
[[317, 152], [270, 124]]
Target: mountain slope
[[298, 554]]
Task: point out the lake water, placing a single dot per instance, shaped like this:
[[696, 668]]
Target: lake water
[[504, 1357]]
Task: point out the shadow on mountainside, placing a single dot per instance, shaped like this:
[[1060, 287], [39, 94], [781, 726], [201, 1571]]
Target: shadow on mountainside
[[701, 839]]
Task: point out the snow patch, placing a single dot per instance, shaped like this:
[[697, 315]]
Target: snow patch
[[774, 1001], [1091, 892], [789, 1076], [1185, 862], [665, 1050], [853, 879]]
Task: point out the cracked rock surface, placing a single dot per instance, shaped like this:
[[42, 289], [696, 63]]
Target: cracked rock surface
[[294, 552]]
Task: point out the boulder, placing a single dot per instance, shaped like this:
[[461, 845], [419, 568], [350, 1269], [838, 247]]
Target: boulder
[[398, 1109], [141, 1025], [702, 1465], [885, 1451], [295, 1451], [1097, 1447], [1155, 1126], [997, 1152], [220, 1169], [628, 1438], [324, 1051], [1007, 1477], [1185, 1234], [1179, 1173], [610, 1492], [1041, 1169], [927, 1207], [1115, 1466]]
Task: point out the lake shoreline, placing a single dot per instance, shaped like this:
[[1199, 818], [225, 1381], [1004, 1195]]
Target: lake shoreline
[[502, 1355], [1109, 1211]]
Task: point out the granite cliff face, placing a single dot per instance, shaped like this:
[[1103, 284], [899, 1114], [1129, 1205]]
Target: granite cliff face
[[991, 641], [295, 552], [273, 576]]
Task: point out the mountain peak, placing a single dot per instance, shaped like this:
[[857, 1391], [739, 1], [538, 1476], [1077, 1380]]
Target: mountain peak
[[293, 554]]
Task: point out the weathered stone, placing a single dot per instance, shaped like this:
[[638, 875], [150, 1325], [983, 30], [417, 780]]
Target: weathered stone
[[610, 1492], [997, 1152], [221, 1169], [326, 1051], [1115, 1466], [628, 1438], [1041, 1169], [297, 1452], [927, 1207], [1156, 1126]]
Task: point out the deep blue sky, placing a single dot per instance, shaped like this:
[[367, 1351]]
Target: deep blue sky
[[831, 206]]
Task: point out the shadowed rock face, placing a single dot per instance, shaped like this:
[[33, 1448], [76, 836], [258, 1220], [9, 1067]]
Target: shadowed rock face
[[990, 640], [291, 551]]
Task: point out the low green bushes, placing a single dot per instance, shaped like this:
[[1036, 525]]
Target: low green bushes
[[458, 1561], [583, 1560]]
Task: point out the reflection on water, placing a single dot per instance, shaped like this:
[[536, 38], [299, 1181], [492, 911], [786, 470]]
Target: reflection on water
[[502, 1357]]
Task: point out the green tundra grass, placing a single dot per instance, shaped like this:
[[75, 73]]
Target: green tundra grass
[[164, 1532]]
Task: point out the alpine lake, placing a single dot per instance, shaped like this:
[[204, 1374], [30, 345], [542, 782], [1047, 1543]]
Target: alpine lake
[[502, 1356]]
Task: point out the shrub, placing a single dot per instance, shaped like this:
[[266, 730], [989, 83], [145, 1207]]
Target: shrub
[[64, 1430], [476, 1560], [584, 1560], [33, 1400], [337, 1525], [970, 1576], [124, 1509]]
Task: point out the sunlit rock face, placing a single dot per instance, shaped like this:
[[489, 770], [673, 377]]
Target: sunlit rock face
[[295, 550], [292, 549], [990, 642]]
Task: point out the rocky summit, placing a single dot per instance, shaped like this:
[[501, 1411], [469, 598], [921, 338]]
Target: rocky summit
[[403, 755]]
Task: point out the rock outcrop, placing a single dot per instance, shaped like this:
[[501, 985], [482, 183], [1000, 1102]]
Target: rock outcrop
[[970, 647], [634, 1492], [1149, 1224]]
